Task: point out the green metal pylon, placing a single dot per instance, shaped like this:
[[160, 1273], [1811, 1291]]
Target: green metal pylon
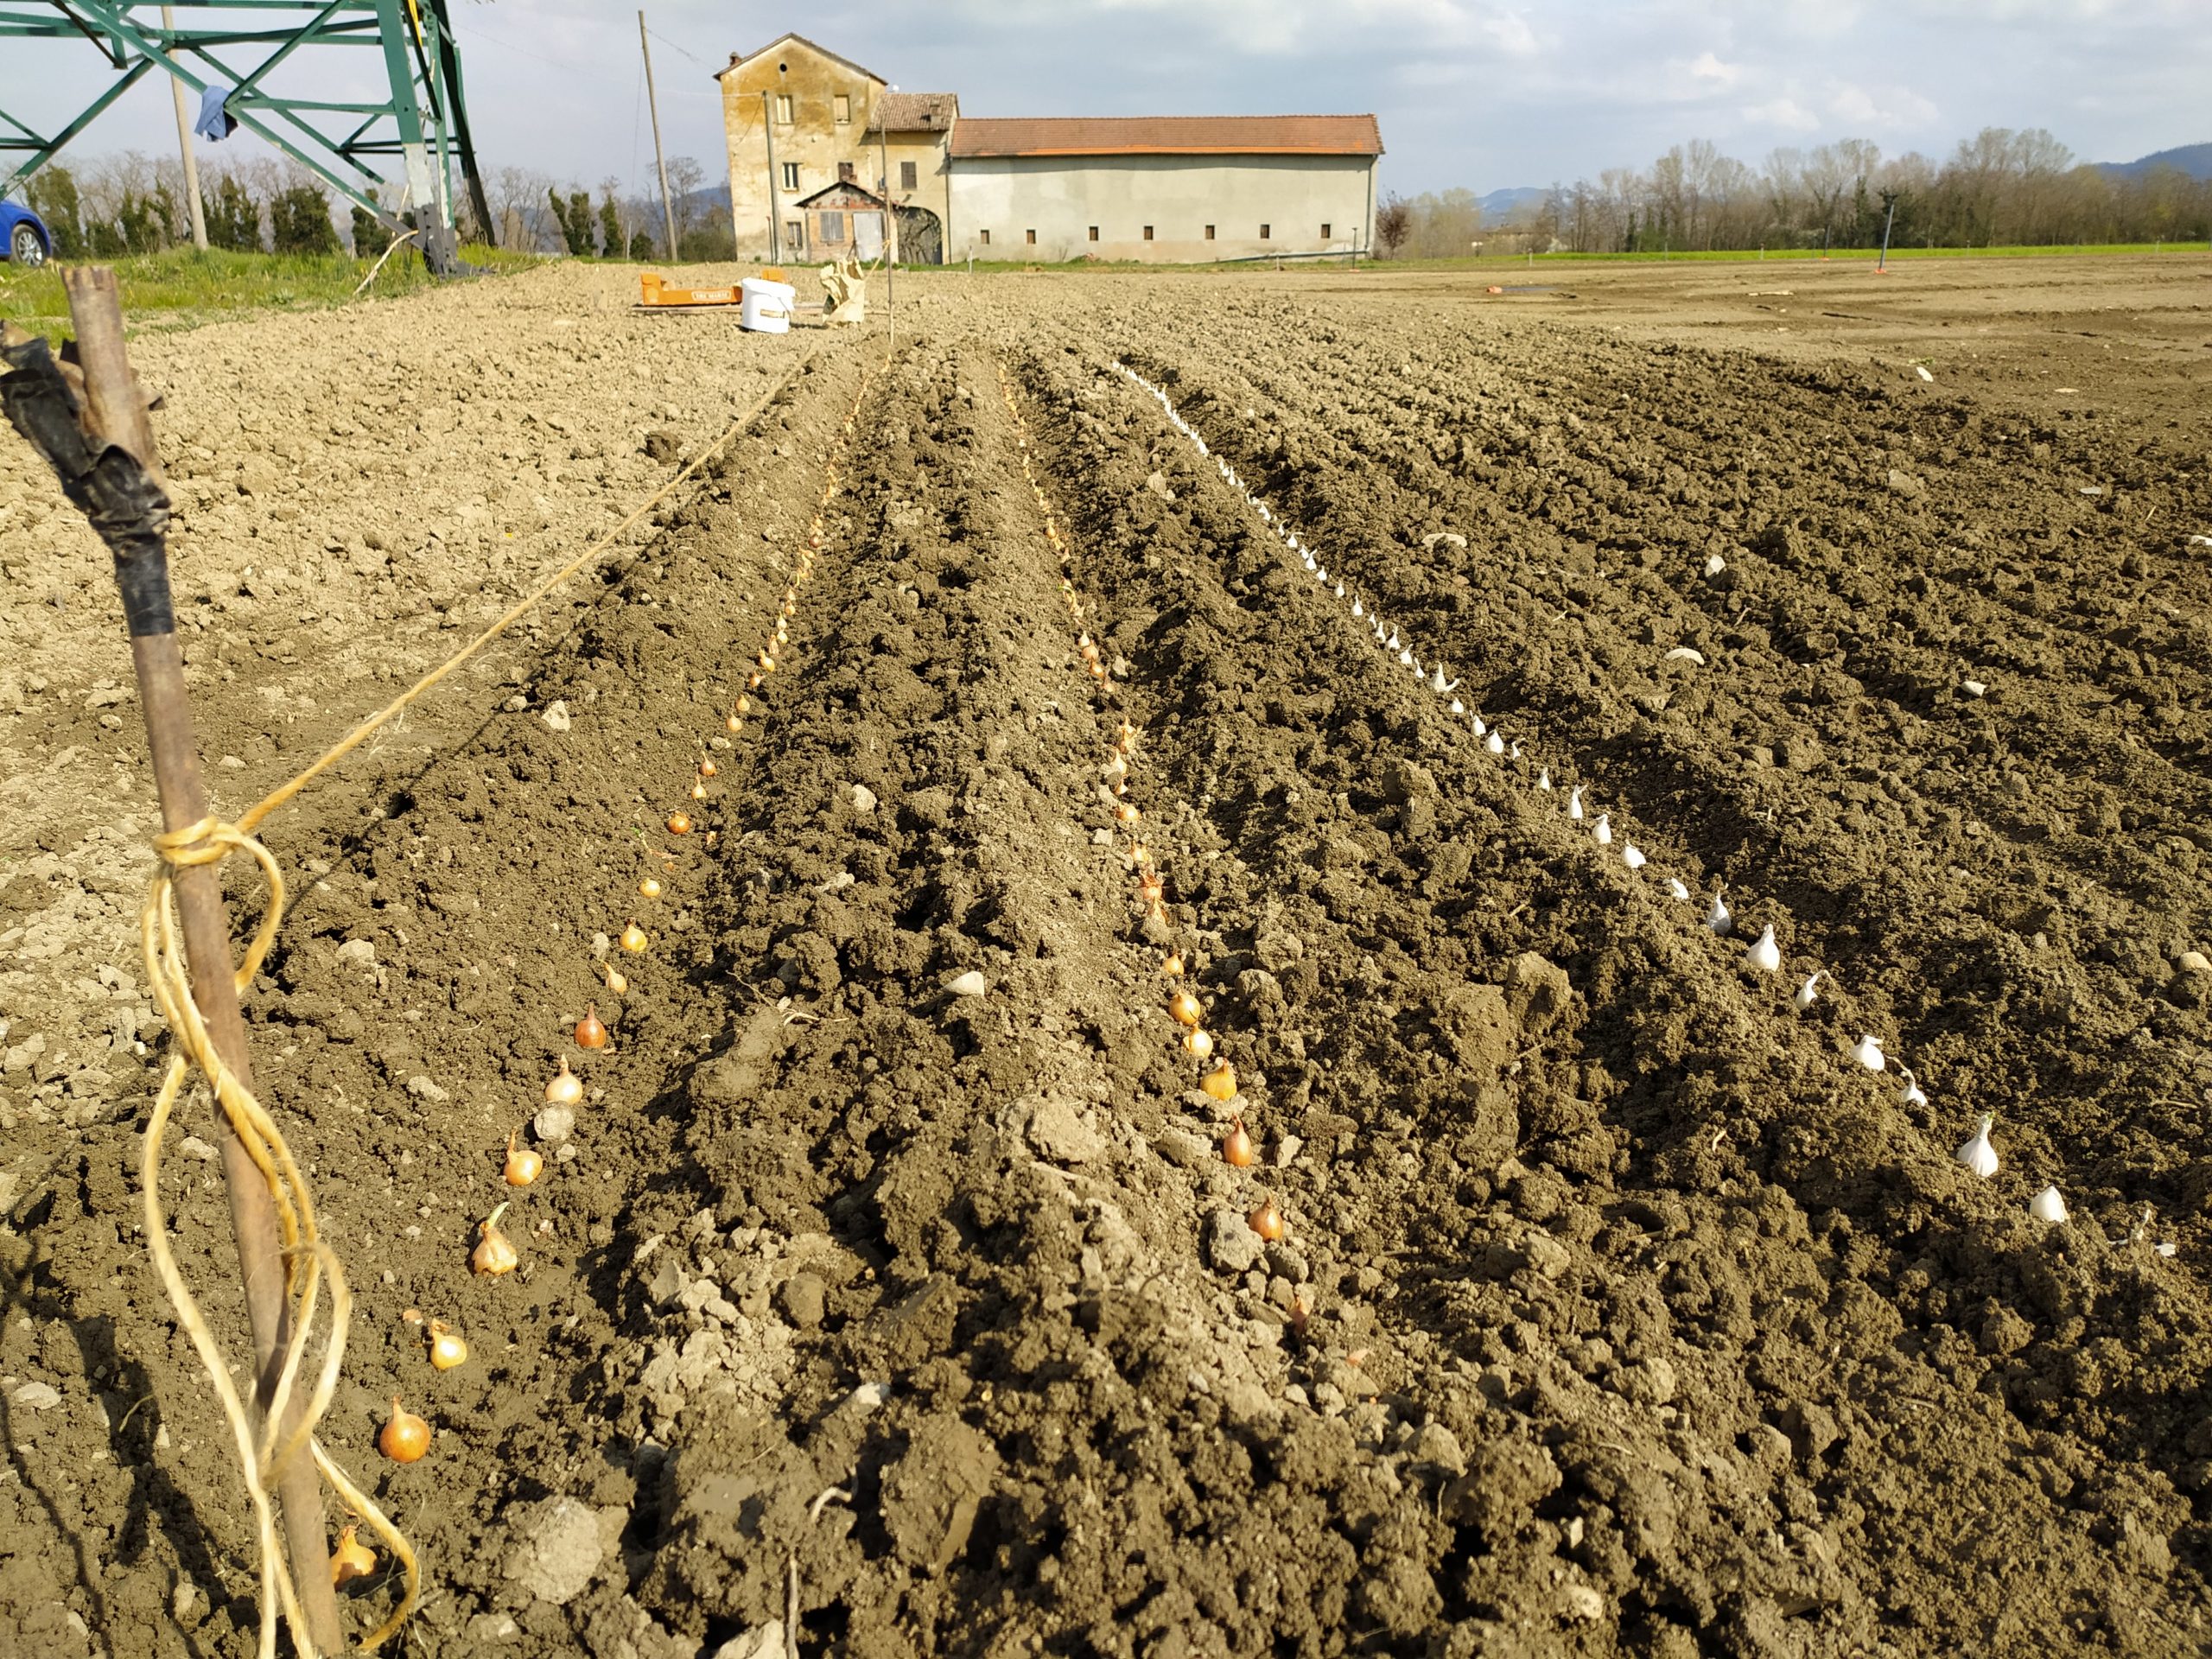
[[422, 127]]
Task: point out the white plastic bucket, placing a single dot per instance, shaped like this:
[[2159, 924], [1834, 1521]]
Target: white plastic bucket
[[765, 306]]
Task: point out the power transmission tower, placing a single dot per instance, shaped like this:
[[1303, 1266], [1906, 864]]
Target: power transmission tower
[[419, 133]]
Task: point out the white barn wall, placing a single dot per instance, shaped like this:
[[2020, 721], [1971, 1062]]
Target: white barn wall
[[1059, 197]]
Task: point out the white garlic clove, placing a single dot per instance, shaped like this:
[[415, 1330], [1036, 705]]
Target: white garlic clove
[[1676, 890], [1765, 956], [1911, 1094], [1808, 990], [1977, 1153], [1357, 609], [1632, 856], [1481, 730], [1458, 707], [1494, 743], [1721, 918], [1603, 829], [1575, 803], [2047, 1205], [1868, 1052], [1544, 778]]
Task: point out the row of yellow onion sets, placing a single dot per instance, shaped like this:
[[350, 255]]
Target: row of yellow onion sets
[[406, 1437], [1217, 1077], [1762, 959]]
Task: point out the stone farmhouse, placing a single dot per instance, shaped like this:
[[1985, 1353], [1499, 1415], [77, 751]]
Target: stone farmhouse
[[820, 149]]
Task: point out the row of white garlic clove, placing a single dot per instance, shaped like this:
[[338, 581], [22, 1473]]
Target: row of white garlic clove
[[1977, 1153]]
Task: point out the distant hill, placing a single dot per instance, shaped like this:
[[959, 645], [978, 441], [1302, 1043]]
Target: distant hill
[[1503, 206], [2195, 160]]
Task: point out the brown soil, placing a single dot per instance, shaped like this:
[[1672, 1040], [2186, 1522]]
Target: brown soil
[[1618, 1311]]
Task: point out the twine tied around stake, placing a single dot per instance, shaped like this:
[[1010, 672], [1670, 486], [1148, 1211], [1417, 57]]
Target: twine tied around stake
[[307, 1260]]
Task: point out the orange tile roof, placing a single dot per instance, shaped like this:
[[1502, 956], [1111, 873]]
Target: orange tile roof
[[1168, 134]]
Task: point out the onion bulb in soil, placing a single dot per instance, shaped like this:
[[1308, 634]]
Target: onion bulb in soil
[[733, 724], [679, 823], [1221, 1081], [1199, 1042], [522, 1164], [1236, 1147], [495, 1252], [707, 767], [698, 791], [1184, 1008], [1174, 964], [564, 1087], [633, 938], [405, 1437], [446, 1348], [591, 1031], [617, 981], [351, 1559], [1267, 1221], [650, 887]]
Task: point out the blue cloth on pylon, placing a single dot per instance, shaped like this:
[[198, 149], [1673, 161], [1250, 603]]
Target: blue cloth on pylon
[[215, 123]]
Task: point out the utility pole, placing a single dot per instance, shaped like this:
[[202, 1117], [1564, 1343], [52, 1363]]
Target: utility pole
[[667, 206], [184, 144], [775, 206], [1889, 203], [889, 213]]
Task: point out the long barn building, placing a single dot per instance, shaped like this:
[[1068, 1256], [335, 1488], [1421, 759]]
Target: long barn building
[[819, 147]]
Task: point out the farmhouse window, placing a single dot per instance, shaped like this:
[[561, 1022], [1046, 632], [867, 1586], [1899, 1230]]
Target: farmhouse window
[[783, 109], [844, 110], [907, 175], [795, 232], [791, 176], [833, 229], [844, 172], [1263, 231], [987, 238], [1147, 233], [1209, 233], [1325, 230], [1094, 233], [1031, 236]]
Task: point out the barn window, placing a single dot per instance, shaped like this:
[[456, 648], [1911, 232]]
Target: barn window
[[844, 172], [1209, 233], [1325, 230], [1147, 233], [791, 176], [1030, 236], [1263, 231], [844, 110], [987, 238], [907, 177], [833, 228], [795, 232], [1094, 233], [783, 109]]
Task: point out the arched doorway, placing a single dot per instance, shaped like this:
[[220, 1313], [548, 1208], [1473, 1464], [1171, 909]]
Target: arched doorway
[[921, 237]]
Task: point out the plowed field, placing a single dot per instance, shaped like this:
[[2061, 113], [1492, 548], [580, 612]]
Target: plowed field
[[893, 1275]]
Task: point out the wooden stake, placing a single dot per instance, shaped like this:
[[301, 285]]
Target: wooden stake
[[115, 410]]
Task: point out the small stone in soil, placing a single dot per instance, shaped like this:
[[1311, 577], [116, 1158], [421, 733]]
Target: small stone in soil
[[1231, 1245]]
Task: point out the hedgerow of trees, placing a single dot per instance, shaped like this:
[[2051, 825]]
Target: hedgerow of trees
[[130, 203], [2000, 187]]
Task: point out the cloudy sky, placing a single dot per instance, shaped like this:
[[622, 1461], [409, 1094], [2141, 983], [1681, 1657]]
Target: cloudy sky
[[1469, 92]]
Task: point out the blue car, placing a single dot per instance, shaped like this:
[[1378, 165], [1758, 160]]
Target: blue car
[[23, 238]]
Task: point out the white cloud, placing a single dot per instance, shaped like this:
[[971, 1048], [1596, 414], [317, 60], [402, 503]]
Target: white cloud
[[1893, 109], [1706, 68], [1786, 113]]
